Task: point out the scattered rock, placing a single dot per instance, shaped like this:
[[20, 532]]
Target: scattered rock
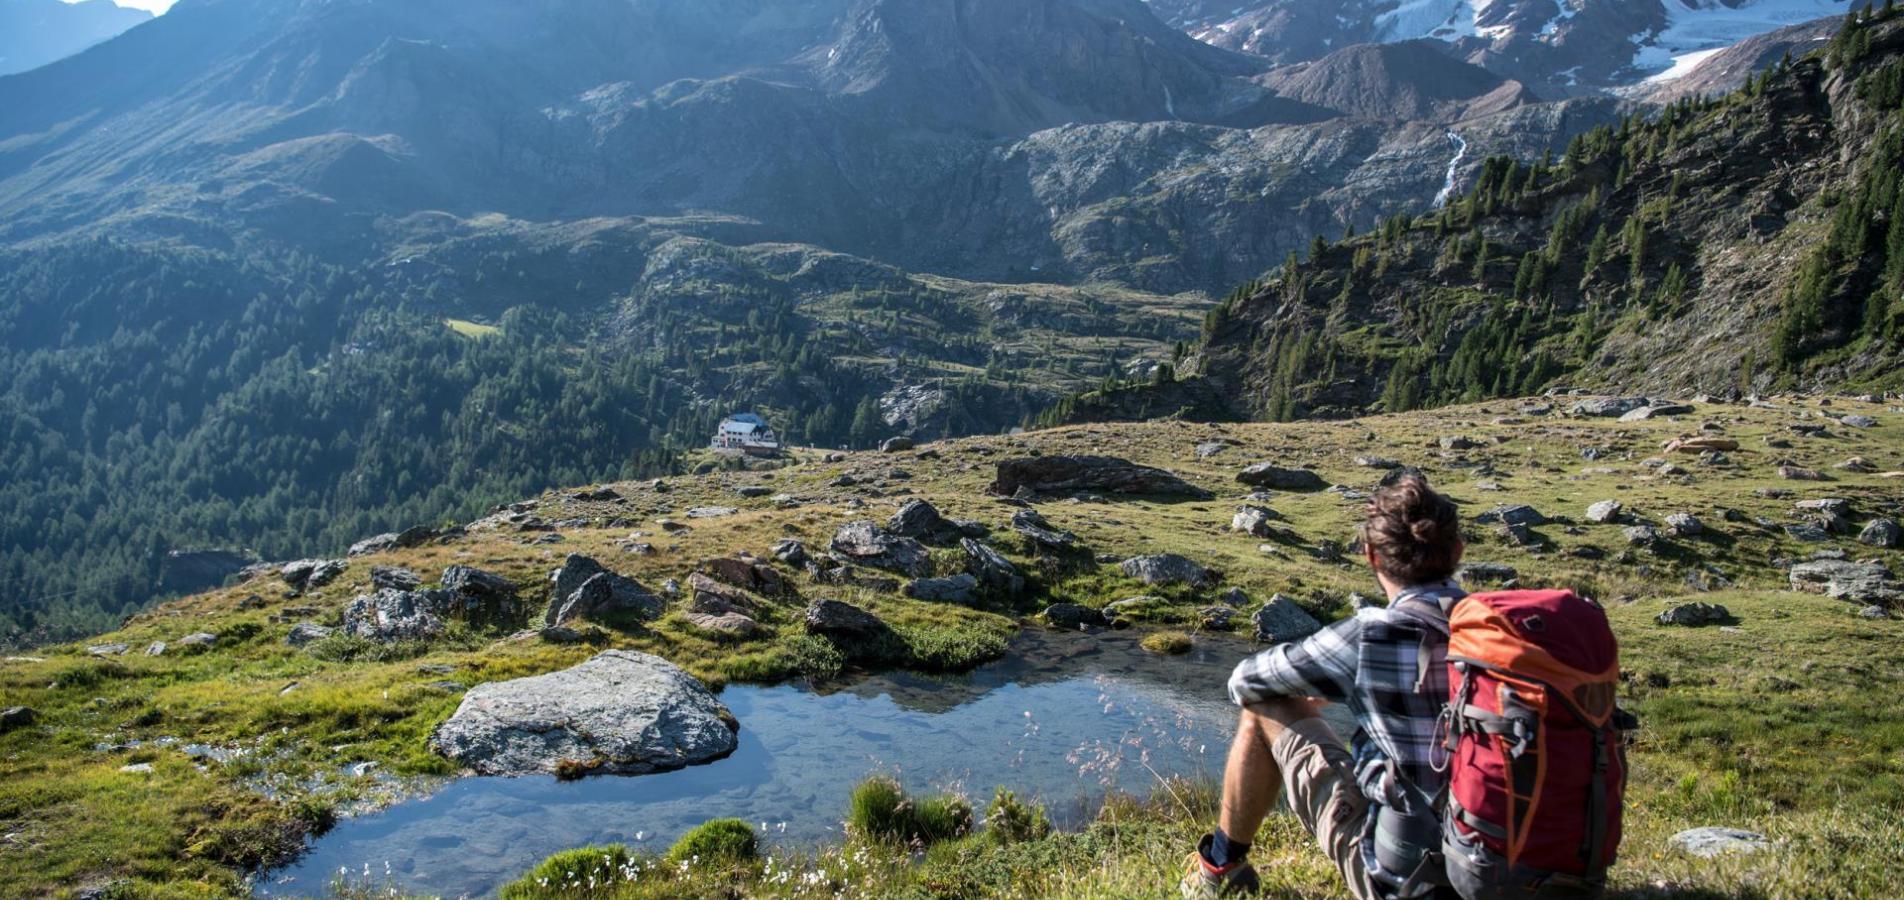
[[961, 588], [1641, 535], [1254, 521], [198, 639], [921, 520], [415, 536], [396, 578], [1489, 573], [863, 542], [1216, 618], [14, 717], [483, 598], [751, 491], [305, 574], [716, 598], [791, 552], [1281, 620], [1874, 612], [1694, 615], [1605, 512], [1166, 568], [1457, 442], [1702, 444], [1103, 474], [834, 618], [748, 574], [585, 589], [1656, 410], [1376, 462], [732, 624], [1858, 421], [1212, 448], [251, 602], [994, 572], [561, 634], [1071, 615], [1867, 582], [1034, 526], [708, 512], [1608, 406], [1707, 843], [389, 615], [1513, 514], [1883, 533], [1277, 478], [896, 445], [305, 633], [1685, 524], [1799, 473], [107, 649], [1810, 532], [622, 713], [156, 648]]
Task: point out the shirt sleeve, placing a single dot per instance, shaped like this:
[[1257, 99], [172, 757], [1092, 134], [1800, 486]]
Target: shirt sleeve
[[1321, 665]]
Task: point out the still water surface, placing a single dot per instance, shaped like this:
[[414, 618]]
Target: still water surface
[[1064, 718]]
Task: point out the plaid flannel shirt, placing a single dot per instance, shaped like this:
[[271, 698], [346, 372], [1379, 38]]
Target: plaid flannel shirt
[[1363, 663]]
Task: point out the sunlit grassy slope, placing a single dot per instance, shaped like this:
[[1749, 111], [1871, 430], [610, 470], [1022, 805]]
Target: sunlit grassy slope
[[1786, 723]]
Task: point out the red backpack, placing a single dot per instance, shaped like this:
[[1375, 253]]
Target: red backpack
[[1537, 763]]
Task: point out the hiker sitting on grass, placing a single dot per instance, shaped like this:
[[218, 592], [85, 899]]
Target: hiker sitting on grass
[[1533, 680]]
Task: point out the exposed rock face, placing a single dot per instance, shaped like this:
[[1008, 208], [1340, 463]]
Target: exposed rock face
[[1074, 474], [717, 598], [620, 713], [960, 588], [584, 589], [1694, 615], [1071, 615], [483, 598], [1281, 620], [835, 618], [395, 540], [1166, 568], [895, 445], [393, 615], [1883, 533], [1274, 477], [305, 574], [1608, 406], [396, 578], [1707, 843], [865, 543], [994, 572]]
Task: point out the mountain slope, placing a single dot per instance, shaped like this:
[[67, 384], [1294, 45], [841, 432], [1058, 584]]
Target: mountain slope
[[36, 32], [1731, 245]]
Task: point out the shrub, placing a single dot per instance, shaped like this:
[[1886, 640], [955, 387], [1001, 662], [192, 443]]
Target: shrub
[[572, 867], [815, 657], [951, 649], [878, 809], [1170, 642], [1010, 820], [941, 818], [717, 842]]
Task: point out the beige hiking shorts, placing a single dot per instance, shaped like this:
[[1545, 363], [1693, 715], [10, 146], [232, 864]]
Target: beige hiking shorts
[[1319, 784]]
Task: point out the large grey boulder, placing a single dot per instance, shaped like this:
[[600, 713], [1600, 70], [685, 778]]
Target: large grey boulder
[[1694, 615], [305, 574], [1099, 474], [864, 543], [749, 574], [1685, 524], [1281, 620], [1605, 512], [586, 590], [1253, 521], [306, 633], [1608, 406], [1166, 568], [1881, 533], [1511, 514], [17, 717], [620, 713], [994, 572], [483, 598], [1278, 478], [1072, 615]]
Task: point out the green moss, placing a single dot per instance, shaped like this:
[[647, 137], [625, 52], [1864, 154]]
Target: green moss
[[1167, 642]]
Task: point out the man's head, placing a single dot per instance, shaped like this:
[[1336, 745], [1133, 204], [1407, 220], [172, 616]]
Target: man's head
[[1413, 534]]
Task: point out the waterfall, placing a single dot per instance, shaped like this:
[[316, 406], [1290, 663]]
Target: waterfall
[[1454, 165]]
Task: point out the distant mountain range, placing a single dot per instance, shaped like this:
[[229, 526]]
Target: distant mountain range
[[36, 32]]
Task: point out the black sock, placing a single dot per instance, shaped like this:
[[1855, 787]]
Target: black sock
[[1226, 851]]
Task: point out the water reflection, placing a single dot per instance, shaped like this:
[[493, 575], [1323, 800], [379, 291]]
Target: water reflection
[[1065, 718]]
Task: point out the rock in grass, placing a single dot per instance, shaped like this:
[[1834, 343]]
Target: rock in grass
[[1512, 514], [621, 713], [1211, 448], [994, 572], [1253, 521], [919, 519], [396, 578], [1376, 462], [1710, 842], [1843, 580], [305, 574], [1694, 615], [1858, 421], [1685, 524], [107, 650], [584, 589], [864, 543], [961, 589], [1489, 573], [1072, 615], [731, 624], [198, 639], [1166, 568], [1883, 533], [1100, 474], [391, 615], [1282, 620], [1800, 473], [1642, 535], [17, 717], [834, 618], [1605, 512], [1278, 478], [1040, 531], [304, 633], [1608, 406]]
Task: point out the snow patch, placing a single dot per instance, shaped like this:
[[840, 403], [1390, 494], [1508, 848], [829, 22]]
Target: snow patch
[[1683, 64], [1693, 25]]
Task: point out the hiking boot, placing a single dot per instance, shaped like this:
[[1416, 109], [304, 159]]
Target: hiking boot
[[1202, 881]]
